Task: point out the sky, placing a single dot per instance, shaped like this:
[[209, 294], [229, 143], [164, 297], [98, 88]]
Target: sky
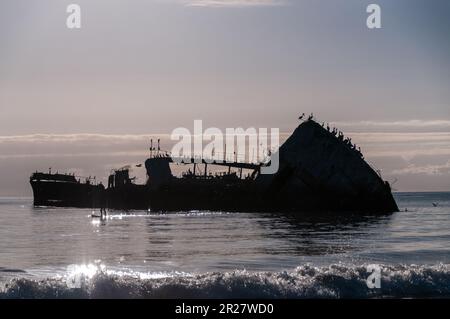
[[88, 100]]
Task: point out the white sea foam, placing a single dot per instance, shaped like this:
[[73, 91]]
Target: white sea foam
[[334, 281]]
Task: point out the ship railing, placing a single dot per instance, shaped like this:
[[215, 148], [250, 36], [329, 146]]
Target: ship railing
[[219, 158]]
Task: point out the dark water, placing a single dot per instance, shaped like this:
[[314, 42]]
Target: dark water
[[57, 253]]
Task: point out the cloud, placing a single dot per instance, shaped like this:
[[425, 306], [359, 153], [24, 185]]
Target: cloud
[[418, 160], [75, 155], [380, 137], [373, 144], [409, 125], [81, 137], [232, 3], [404, 145], [407, 154], [425, 169]]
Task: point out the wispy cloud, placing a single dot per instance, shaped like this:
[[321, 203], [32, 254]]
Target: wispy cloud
[[419, 123], [374, 144], [232, 3], [399, 155], [403, 145], [81, 137], [59, 155], [381, 137], [405, 126], [425, 169], [407, 154]]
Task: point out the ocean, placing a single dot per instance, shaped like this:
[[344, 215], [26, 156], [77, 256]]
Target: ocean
[[64, 253]]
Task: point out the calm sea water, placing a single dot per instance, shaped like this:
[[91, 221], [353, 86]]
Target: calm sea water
[[57, 253]]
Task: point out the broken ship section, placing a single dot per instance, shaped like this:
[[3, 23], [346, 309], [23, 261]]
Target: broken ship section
[[322, 171], [318, 171]]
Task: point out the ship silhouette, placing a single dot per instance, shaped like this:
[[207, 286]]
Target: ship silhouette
[[319, 170]]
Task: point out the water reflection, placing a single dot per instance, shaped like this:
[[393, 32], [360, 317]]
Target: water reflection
[[318, 234], [198, 240], [45, 240]]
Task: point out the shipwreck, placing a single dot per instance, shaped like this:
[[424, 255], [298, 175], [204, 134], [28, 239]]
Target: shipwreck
[[319, 170]]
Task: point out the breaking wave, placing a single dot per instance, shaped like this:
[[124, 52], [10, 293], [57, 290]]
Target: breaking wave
[[335, 281]]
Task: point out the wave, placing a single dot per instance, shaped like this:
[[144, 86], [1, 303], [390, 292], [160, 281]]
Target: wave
[[334, 281]]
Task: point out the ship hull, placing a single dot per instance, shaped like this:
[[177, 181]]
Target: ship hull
[[214, 199], [59, 194], [128, 197]]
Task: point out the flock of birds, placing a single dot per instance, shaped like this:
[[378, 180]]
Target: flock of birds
[[337, 133], [342, 138]]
